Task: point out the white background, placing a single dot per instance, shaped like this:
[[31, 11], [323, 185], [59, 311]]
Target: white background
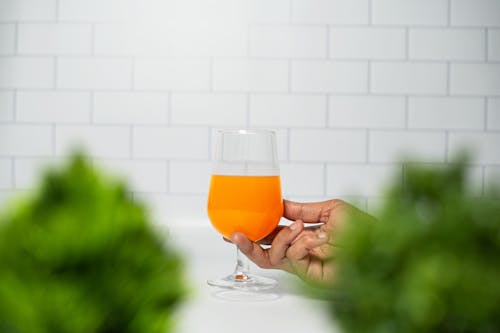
[[350, 86]]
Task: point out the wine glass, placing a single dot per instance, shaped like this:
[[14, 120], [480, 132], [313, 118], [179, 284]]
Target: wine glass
[[245, 196]]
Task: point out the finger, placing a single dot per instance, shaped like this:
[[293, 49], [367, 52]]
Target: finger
[[311, 212], [302, 247], [282, 242], [269, 238], [252, 250]]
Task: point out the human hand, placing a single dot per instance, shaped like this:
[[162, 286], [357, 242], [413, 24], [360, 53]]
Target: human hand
[[298, 249]]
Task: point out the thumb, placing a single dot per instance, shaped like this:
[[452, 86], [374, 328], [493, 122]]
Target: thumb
[[252, 250], [242, 242]]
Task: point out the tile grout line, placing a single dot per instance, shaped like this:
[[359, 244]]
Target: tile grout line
[[325, 178], [170, 107], [448, 18], [483, 180], [485, 112], [132, 88], [369, 77], [57, 11], [486, 45], [131, 141], [327, 111], [407, 112], [288, 145], [92, 107], [168, 168], [15, 93], [448, 78], [54, 139], [367, 146], [248, 40], [211, 74], [13, 172], [16, 38], [247, 109], [92, 39], [446, 145], [289, 76], [132, 72], [327, 49], [211, 153], [56, 72], [370, 12]]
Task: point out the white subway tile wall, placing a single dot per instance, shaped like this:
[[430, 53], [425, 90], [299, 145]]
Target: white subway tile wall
[[327, 76], [446, 112], [20, 72], [130, 107], [28, 170], [5, 173], [493, 114], [491, 178], [409, 78], [28, 10], [143, 175], [475, 79], [101, 141], [410, 12], [386, 147], [54, 38], [288, 41], [331, 11], [53, 107], [26, 140], [367, 43], [7, 38], [367, 111], [206, 109], [360, 179], [6, 106], [449, 44], [303, 179], [245, 75], [287, 110], [494, 44], [476, 13], [350, 86]]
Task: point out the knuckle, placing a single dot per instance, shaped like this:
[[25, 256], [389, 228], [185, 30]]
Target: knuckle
[[337, 202], [310, 241], [292, 255], [274, 261], [263, 264]]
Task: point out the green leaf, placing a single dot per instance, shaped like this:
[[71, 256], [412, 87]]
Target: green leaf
[[431, 263], [80, 255]]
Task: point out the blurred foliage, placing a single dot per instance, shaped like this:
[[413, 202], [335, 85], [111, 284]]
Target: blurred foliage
[[431, 263], [80, 256]]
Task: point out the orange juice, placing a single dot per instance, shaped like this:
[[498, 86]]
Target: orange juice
[[248, 204]]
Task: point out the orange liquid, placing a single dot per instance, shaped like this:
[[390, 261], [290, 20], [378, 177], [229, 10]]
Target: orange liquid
[[248, 204]]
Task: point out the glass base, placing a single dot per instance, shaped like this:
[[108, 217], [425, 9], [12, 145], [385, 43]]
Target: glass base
[[234, 295], [244, 282]]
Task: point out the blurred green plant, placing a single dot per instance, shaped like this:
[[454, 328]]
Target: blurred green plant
[[431, 263], [80, 256]]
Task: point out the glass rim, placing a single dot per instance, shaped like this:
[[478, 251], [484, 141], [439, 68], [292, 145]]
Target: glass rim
[[246, 131]]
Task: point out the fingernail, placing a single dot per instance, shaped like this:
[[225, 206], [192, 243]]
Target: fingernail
[[322, 235], [233, 238], [293, 226]]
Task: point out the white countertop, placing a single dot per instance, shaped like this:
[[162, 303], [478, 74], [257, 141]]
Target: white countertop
[[208, 309]]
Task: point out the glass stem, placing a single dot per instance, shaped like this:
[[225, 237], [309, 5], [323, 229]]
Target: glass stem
[[241, 271]]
